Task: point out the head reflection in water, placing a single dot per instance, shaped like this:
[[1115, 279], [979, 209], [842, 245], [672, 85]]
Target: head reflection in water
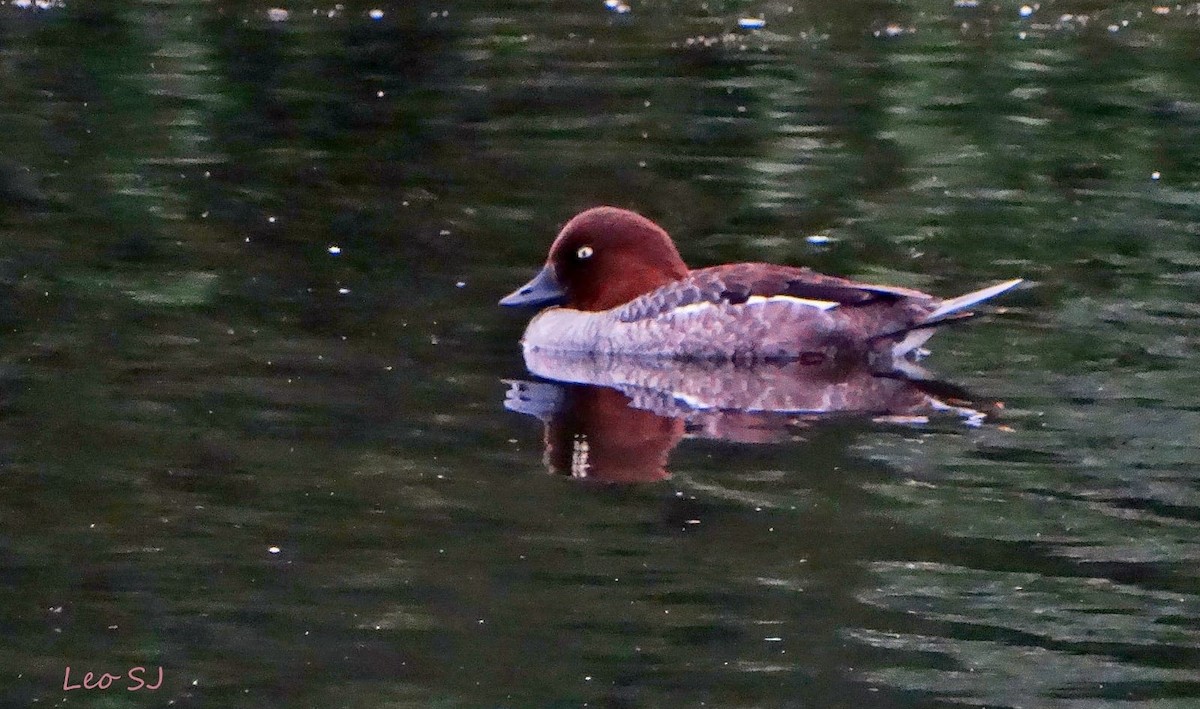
[[598, 435], [616, 421]]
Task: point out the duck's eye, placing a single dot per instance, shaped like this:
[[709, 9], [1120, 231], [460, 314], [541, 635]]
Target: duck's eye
[[584, 252]]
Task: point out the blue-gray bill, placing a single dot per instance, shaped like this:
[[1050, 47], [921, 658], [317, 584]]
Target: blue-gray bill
[[543, 289]]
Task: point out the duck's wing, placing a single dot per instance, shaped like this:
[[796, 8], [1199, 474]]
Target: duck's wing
[[737, 284], [741, 281]]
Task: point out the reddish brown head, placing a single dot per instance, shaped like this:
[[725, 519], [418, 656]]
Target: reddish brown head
[[602, 258]]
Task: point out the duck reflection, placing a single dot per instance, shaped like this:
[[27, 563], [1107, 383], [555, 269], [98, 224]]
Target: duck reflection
[[616, 420]]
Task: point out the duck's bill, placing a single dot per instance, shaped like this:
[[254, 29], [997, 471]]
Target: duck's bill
[[543, 289]]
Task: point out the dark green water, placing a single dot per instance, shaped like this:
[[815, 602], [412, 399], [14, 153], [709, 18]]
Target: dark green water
[[287, 476]]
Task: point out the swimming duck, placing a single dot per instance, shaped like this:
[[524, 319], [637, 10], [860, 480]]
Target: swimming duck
[[622, 289]]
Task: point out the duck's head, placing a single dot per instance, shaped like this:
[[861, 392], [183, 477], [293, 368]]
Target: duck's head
[[602, 258]]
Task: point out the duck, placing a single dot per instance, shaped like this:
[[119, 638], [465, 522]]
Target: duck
[[614, 284]]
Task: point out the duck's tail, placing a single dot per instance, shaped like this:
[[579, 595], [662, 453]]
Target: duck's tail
[[908, 339]]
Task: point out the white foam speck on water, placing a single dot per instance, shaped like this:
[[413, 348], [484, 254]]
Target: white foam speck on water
[[39, 4]]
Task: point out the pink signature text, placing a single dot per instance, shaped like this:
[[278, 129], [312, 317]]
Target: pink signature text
[[133, 678]]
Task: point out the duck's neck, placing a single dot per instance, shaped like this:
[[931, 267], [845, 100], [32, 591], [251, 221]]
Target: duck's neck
[[635, 280]]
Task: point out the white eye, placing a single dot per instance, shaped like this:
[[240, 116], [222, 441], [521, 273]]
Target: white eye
[[584, 252]]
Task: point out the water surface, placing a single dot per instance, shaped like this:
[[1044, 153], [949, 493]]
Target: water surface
[[252, 422]]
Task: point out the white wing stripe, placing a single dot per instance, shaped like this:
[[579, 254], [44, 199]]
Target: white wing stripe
[[758, 300], [818, 304]]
